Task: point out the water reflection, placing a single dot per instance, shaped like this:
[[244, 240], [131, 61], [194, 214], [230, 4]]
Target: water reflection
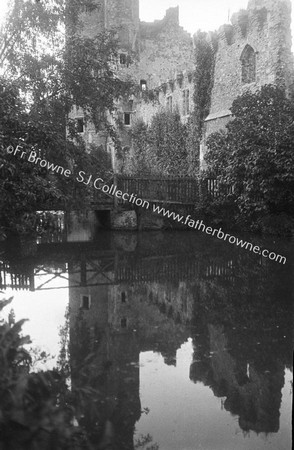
[[157, 317]]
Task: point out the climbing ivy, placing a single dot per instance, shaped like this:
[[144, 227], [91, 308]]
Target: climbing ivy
[[167, 146], [161, 147], [205, 50]]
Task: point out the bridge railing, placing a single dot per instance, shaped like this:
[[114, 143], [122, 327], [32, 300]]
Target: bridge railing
[[172, 189], [212, 188], [184, 190], [11, 279]]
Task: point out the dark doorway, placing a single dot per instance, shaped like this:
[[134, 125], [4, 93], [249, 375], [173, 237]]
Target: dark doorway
[[103, 219]]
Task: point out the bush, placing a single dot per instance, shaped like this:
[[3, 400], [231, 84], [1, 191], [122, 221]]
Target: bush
[[161, 148], [255, 156]]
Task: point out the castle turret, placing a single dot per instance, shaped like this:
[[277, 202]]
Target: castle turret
[[253, 51], [124, 16]]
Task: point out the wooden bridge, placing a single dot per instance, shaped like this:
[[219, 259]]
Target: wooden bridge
[[183, 191], [108, 269], [165, 190]]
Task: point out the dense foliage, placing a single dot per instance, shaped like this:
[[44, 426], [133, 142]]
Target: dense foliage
[[46, 409], [204, 55], [203, 77], [28, 411], [255, 157], [46, 53], [167, 146], [26, 187], [45, 71], [161, 147], [21, 183]]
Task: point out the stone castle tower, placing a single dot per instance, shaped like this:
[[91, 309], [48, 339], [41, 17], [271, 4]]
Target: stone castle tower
[[152, 54], [118, 14], [254, 50]]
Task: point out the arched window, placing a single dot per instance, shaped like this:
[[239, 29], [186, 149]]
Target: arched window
[[169, 103], [122, 59], [143, 85], [248, 61]]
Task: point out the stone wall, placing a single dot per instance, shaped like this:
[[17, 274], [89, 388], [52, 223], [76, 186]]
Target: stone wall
[[164, 64], [93, 21], [265, 27], [176, 94], [123, 15], [165, 48], [160, 57]]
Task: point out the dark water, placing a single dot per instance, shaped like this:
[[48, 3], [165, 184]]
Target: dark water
[[191, 337]]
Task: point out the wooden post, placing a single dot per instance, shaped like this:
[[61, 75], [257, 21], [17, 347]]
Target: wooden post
[[32, 279], [115, 184]]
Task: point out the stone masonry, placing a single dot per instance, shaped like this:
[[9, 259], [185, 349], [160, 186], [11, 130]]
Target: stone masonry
[[254, 50], [264, 28]]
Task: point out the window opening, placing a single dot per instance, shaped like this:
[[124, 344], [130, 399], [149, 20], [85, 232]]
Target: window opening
[[123, 323], [85, 302], [143, 85], [248, 61], [169, 103], [127, 118], [80, 125], [123, 59]]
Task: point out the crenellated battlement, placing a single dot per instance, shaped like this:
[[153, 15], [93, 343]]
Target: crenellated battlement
[[255, 49], [250, 52]]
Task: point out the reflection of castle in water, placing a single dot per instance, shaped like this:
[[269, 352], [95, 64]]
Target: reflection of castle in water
[[131, 293], [251, 392], [122, 321], [139, 303]]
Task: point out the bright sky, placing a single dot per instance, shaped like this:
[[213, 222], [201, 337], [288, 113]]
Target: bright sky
[[194, 14], [206, 15]]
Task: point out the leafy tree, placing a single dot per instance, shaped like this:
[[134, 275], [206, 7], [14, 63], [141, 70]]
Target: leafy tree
[[47, 54], [143, 161], [255, 156], [161, 148], [37, 408], [22, 184], [45, 72], [26, 23]]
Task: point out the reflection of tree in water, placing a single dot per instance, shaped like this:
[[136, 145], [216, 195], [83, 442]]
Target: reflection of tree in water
[[243, 343], [142, 441], [41, 410], [254, 395], [240, 349], [235, 307]]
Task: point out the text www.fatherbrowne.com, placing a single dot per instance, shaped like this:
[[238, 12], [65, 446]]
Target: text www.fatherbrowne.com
[[200, 226]]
